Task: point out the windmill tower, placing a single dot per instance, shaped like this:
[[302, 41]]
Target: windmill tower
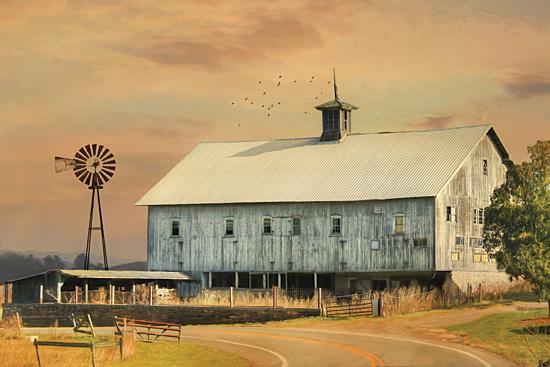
[[93, 165]]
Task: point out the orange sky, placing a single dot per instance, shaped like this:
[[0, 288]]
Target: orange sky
[[151, 79]]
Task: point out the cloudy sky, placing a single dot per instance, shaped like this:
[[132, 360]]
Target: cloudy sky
[[150, 79]]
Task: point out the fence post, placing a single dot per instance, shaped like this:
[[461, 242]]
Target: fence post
[[41, 293], [19, 324], [76, 294], [37, 353], [231, 297], [320, 298], [480, 293], [381, 304], [150, 294], [86, 292], [133, 293], [274, 296]]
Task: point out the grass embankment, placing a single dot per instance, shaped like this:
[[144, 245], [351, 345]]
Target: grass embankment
[[185, 355], [511, 335], [17, 350]]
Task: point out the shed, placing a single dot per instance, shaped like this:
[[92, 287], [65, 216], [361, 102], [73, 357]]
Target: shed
[[97, 286]]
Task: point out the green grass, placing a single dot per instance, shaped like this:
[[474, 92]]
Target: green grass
[[185, 354], [504, 335]]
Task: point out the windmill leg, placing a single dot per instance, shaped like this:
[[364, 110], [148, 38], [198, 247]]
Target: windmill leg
[[105, 262], [90, 224]]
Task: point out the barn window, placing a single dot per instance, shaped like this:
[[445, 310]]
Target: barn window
[[479, 216], [484, 258], [398, 224], [336, 225], [459, 241], [477, 257], [485, 167], [296, 226], [267, 225], [331, 120], [420, 242], [451, 214], [476, 242], [229, 227], [455, 256], [175, 228]]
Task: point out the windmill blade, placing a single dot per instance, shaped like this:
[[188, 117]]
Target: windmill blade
[[88, 180], [80, 157], [107, 157], [105, 152], [84, 176], [89, 150], [109, 168], [108, 173], [94, 148], [104, 176], [99, 150], [113, 162], [63, 164], [84, 153]]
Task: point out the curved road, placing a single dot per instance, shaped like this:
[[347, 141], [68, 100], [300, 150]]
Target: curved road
[[264, 346]]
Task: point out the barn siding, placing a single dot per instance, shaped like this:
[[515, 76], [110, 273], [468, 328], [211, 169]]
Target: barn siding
[[203, 245], [468, 189]]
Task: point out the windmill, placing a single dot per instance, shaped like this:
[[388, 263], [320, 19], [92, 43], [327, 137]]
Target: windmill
[[93, 165]]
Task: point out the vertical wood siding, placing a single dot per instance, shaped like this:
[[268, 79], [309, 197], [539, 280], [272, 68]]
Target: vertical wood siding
[[467, 190], [203, 246]]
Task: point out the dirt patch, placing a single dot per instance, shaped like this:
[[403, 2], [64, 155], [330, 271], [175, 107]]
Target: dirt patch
[[541, 321]]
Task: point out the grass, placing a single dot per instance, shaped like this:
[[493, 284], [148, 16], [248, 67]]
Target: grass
[[506, 335], [185, 354], [17, 350]]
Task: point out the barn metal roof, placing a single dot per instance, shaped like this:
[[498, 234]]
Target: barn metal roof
[[113, 274], [370, 166]]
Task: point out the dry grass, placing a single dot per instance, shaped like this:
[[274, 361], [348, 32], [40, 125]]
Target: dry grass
[[408, 300], [18, 351], [249, 298]]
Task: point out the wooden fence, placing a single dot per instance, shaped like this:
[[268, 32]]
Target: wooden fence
[[146, 330], [92, 346]]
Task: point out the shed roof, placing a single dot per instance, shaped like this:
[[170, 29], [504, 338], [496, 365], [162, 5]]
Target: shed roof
[[113, 274], [369, 166]]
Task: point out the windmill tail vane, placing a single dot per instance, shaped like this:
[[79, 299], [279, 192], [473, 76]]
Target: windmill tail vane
[[93, 165]]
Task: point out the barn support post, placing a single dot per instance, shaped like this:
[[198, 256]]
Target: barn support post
[[279, 280], [231, 297], [58, 292], [209, 279], [133, 292], [314, 280], [236, 279], [150, 294], [109, 293], [41, 296], [319, 298], [86, 300], [155, 299], [6, 293], [113, 289], [264, 281], [249, 281]]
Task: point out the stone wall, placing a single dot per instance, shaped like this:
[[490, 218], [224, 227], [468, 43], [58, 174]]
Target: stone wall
[[103, 315], [488, 279]]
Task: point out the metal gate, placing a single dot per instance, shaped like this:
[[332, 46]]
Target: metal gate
[[349, 306]]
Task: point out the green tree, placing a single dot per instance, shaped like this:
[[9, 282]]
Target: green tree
[[517, 224]]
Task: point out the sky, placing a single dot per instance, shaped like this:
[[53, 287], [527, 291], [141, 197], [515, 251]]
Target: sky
[[151, 79]]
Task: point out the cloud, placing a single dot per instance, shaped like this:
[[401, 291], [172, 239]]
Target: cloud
[[528, 86], [433, 122], [267, 34]]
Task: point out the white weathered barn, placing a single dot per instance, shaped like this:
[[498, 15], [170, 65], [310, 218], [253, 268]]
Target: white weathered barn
[[346, 211]]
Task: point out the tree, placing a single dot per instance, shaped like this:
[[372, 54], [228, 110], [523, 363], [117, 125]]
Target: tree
[[53, 262], [517, 223], [79, 261]]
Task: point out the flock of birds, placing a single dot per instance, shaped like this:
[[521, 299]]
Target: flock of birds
[[263, 91]]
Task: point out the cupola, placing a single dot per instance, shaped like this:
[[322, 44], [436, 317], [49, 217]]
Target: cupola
[[336, 117]]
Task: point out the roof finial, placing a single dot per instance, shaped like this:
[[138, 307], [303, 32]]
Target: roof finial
[[334, 83]]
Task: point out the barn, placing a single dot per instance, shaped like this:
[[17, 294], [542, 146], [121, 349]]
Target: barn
[[345, 211]]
